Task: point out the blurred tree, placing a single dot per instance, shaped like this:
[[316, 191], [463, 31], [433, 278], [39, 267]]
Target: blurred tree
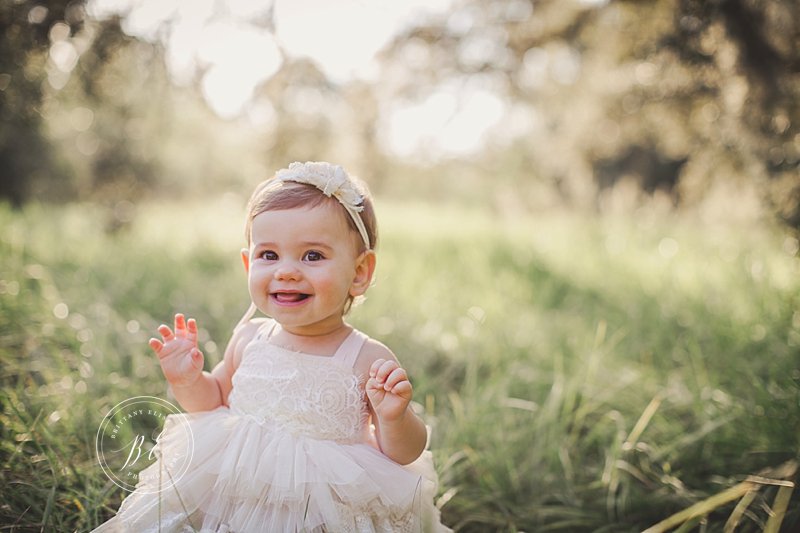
[[712, 86], [301, 101], [309, 117], [83, 105], [25, 41], [122, 85]]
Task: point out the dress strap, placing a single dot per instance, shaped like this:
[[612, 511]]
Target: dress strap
[[348, 351], [251, 311], [266, 329]]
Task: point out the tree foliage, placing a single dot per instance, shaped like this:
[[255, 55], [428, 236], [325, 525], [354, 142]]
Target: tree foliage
[[81, 104], [25, 28], [604, 102], [682, 97]]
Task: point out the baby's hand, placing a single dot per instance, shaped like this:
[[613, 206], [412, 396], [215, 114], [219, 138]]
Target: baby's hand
[[181, 361], [388, 389]]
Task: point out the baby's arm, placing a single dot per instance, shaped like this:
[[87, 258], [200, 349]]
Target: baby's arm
[[182, 364], [400, 433]]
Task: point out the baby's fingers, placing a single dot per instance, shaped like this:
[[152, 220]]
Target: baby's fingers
[[166, 333], [196, 358], [397, 382], [180, 325], [387, 374], [186, 328], [191, 330], [156, 345], [403, 389], [395, 376], [373, 369], [382, 369]]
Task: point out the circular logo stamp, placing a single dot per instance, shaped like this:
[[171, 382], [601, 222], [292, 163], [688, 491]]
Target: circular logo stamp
[[144, 441]]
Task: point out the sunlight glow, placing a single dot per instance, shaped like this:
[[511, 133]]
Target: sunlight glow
[[341, 37], [229, 83], [344, 36], [231, 46], [453, 120]]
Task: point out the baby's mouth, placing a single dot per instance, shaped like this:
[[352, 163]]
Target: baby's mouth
[[289, 297]]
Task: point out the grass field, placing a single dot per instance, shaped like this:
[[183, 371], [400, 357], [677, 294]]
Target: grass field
[[579, 374]]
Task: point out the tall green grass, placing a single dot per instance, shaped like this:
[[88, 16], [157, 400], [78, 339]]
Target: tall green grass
[[579, 374]]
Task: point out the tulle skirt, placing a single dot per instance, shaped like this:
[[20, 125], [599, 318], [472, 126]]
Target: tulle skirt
[[245, 477]]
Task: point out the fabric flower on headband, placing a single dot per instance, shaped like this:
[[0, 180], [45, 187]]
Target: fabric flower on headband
[[332, 180]]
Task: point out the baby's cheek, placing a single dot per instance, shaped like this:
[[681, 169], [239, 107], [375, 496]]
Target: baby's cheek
[[335, 289]]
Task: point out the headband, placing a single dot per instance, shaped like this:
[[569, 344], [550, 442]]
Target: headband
[[334, 181]]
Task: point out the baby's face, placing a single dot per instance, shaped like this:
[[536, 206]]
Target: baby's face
[[302, 267]]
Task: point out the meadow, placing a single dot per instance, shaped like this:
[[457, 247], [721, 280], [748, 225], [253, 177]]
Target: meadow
[[579, 373]]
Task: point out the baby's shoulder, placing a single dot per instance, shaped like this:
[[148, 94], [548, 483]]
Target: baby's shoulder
[[243, 335], [371, 351], [374, 349], [251, 329]]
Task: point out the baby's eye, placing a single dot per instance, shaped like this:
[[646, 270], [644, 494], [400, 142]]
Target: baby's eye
[[268, 255], [313, 256]]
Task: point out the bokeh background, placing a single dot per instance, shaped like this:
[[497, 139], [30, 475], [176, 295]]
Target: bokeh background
[[589, 218]]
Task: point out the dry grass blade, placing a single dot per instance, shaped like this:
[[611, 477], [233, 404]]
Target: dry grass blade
[[642, 423], [738, 511], [704, 507], [779, 506], [746, 490], [689, 525]]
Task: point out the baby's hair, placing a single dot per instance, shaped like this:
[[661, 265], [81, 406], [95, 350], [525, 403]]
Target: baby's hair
[[276, 195]]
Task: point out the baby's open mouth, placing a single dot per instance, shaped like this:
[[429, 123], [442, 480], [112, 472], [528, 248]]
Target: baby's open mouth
[[290, 297]]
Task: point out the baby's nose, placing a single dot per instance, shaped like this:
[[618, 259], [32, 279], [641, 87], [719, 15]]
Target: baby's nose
[[287, 272]]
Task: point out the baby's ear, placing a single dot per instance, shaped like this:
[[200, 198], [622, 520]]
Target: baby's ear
[[365, 269], [246, 259]]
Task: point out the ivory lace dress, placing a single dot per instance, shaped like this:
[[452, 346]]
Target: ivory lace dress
[[290, 453]]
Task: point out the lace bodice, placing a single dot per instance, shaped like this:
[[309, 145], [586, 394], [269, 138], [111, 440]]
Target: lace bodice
[[303, 394]]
